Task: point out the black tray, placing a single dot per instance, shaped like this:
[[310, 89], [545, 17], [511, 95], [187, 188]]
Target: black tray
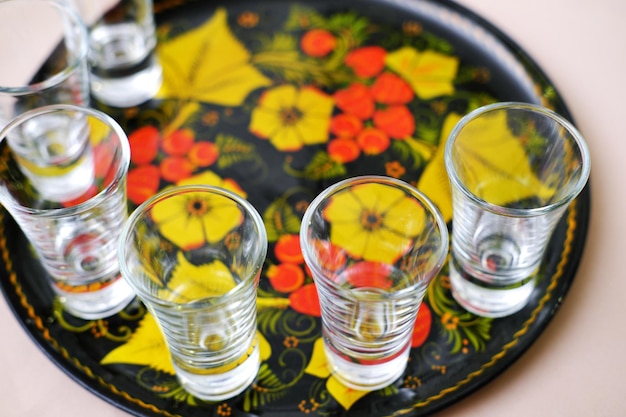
[[224, 63]]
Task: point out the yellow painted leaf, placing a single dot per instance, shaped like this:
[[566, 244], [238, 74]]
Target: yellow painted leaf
[[501, 173], [344, 395], [434, 180], [318, 364], [209, 64], [429, 73], [265, 349], [146, 347], [194, 282]]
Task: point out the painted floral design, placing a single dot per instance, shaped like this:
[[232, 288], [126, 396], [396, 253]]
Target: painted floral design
[[274, 111], [291, 118], [192, 220], [369, 221], [209, 64], [374, 109]]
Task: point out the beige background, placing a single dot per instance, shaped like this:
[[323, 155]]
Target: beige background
[[577, 367]]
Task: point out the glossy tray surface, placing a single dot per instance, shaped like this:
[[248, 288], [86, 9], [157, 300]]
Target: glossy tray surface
[[278, 100]]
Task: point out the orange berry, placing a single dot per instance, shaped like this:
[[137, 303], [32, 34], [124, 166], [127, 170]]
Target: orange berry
[[175, 168], [317, 42], [142, 183], [345, 125], [396, 121], [306, 301], [285, 277], [373, 141], [391, 89], [357, 100], [367, 61], [287, 249], [144, 144], [179, 142], [343, 150], [203, 154]]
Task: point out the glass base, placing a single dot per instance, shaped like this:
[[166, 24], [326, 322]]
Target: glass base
[[368, 377], [221, 386], [94, 305], [487, 300], [129, 90]]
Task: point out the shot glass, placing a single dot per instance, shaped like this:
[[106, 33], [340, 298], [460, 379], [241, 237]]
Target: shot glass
[[44, 57], [124, 68], [373, 245], [63, 179], [514, 168], [194, 255]]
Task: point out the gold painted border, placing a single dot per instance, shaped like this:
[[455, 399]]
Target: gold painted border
[[565, 256], [45, 333]]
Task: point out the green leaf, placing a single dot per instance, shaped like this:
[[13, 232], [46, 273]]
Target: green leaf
[[321, 167], [280, 218], [270, 389], [233, 150]]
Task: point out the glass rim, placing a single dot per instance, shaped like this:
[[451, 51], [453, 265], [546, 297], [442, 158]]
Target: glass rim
[[440, 255], [166, 193], [579, 140], [67, 108], [79, 59]]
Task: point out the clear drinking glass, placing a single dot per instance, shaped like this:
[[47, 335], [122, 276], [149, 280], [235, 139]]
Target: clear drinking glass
[[373, 244], [124, 68], [44, 56], [63, 179], [514, 168], [194, 254]]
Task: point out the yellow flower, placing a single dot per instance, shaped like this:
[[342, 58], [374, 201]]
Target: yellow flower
[[374, 222], [211, 178], [192, 219], [291, 118], [429, 73]]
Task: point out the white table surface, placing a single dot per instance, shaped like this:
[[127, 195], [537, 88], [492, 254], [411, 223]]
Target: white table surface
[[577, 366]]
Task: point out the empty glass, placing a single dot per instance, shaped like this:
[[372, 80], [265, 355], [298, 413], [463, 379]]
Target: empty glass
[[194, 256], [373, 245], [514, 168], [122, 60], [63, 179]]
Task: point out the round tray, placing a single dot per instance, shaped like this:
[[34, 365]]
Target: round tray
[[262, 97]]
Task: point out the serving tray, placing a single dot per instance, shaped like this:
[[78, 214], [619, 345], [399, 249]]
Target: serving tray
[[277, 100]]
